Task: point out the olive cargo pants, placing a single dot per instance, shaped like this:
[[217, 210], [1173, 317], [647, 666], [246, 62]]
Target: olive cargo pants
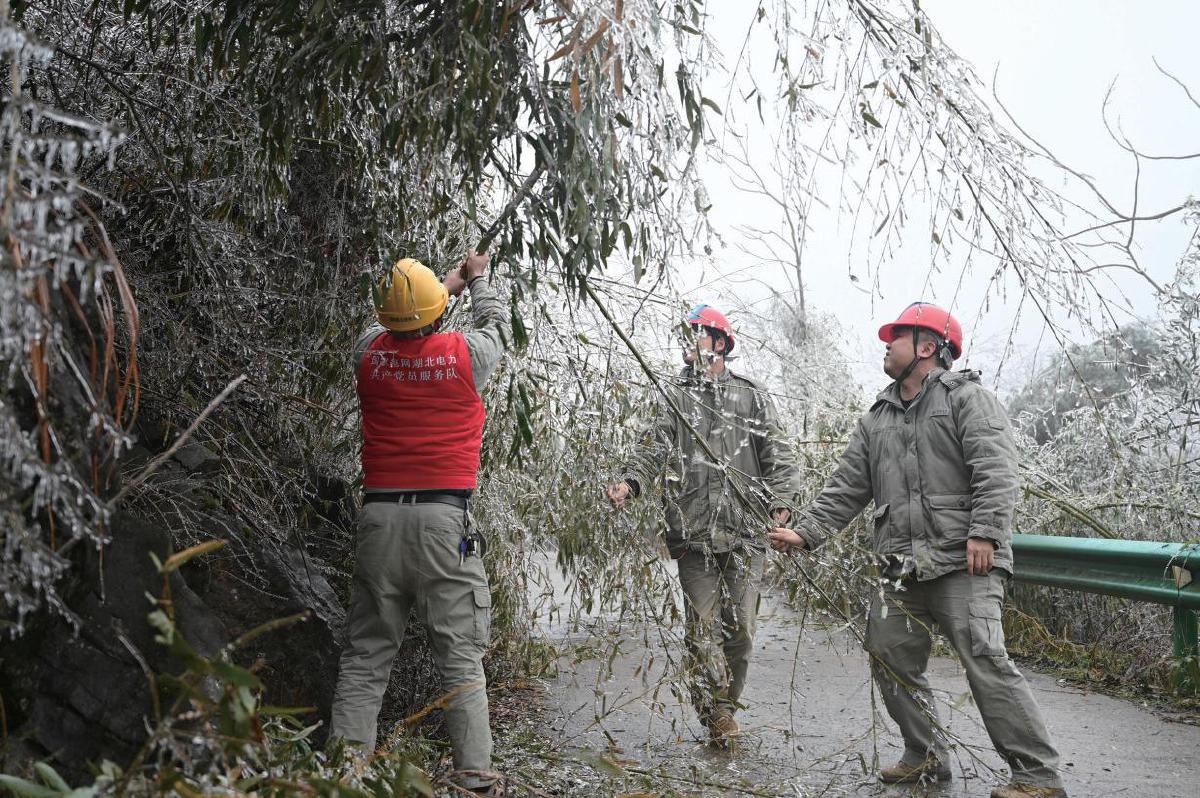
[[407, 556], [720, 592], [967, 610]]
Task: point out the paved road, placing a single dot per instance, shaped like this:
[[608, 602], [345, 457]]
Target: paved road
[[812, 729]]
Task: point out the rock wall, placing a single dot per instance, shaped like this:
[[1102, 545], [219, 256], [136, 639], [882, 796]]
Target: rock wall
[[74, 696]]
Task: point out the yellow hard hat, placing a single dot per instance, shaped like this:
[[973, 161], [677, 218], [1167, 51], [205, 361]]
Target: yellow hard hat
[[410, 297]]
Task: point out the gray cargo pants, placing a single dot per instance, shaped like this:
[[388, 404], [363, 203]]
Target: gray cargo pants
[[967, 610], [407, 557], [720, 592]]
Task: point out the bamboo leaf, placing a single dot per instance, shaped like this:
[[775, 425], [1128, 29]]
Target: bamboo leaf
[[595, 37], [603, 763], [50, 777], [286, 711], [270, 626], [576, 99], [520, 334], [204, 30], [27, 789], [569, 46], [180, 558], [412, 778], [236, 675]]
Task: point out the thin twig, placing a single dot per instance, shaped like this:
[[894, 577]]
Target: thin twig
[[1123, 219], [1179, 83], [157, 463]]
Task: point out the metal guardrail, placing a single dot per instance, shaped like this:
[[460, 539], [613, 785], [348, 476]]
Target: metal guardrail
[[1160, 573]]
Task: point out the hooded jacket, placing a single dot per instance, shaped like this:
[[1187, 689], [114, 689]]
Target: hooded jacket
[[738, 421], [939, 471]]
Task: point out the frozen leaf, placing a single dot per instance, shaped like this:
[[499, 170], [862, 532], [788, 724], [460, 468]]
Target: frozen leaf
[[576, 99], [180, 558]]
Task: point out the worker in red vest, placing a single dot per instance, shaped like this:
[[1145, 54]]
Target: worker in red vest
[[422, 421]]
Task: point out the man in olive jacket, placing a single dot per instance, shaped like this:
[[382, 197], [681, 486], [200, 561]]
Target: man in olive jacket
[[717, 504], [936, 454]]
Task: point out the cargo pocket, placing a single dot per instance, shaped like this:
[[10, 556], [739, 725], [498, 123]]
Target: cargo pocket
[[987, 632], [951, 518], [483, 616]]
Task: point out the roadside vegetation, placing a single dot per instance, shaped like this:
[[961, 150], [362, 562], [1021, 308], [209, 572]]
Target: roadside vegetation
[[197, 197]]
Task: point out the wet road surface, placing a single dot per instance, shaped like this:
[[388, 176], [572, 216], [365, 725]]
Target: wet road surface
[[814, 726]]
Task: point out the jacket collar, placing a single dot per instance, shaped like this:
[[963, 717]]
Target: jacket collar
[[694, 377], [891, 394]]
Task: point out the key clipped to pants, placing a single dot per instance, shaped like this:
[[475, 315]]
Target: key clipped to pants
[[471, 543]]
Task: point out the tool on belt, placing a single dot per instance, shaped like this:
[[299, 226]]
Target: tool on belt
[[473, 543], [469, 545]]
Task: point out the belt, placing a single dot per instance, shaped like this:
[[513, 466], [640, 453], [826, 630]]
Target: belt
[[417, 498]]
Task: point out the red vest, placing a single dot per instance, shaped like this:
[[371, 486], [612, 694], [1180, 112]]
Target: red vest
[[422, 417]]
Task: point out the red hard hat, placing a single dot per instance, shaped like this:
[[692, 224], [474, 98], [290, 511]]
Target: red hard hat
[[709, 316], [928, 317]]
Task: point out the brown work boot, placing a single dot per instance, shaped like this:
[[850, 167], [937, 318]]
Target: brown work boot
[[928, 771], [723, 728], [1019, 789]]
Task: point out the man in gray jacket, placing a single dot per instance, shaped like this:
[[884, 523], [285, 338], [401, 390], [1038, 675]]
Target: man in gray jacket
[[718, 497], [936, 454]]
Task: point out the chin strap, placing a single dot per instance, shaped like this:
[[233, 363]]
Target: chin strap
[[942, 355], [913, 364]]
